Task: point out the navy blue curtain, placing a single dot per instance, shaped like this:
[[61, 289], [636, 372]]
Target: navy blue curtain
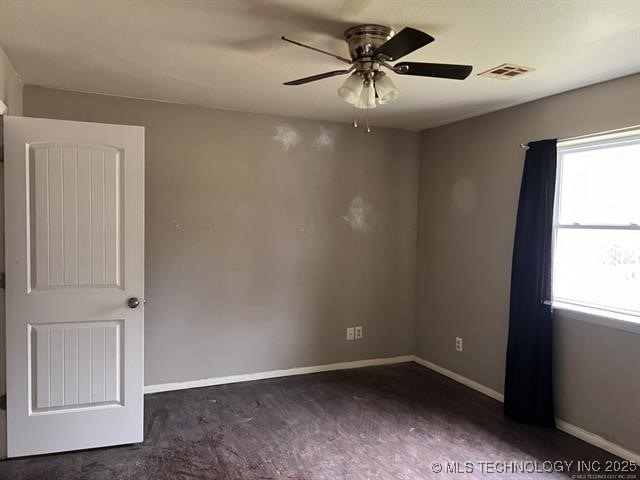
[[528, 390]]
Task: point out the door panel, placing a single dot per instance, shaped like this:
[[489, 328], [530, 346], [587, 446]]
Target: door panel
[[74, 256], [75, 365], [76, 215]]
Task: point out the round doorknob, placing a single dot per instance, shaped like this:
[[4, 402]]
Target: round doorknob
[[133, 302]]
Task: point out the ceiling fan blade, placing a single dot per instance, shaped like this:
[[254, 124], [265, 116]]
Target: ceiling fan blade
[[438, 70], [342, 59], [320, 76], [402, 43]]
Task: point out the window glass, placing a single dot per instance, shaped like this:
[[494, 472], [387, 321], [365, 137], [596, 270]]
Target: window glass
[[601, 186], [598, 268]]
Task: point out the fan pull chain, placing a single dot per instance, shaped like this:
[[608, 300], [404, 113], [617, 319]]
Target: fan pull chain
[[366, 117], [368, 129]]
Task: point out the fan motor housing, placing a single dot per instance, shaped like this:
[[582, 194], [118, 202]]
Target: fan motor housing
[[364, 39]]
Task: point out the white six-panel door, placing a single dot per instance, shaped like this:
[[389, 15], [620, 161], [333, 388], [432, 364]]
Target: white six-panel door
[[74, 221]]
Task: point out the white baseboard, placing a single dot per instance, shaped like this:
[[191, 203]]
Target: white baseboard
[[460, 379], [597, 440], [566, 427], [247, 377]]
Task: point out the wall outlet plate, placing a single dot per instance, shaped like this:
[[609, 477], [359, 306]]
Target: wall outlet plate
[[458, 344], [358, 333], [350, 333]]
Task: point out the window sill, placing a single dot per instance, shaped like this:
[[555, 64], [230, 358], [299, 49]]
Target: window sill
[[619, 321]]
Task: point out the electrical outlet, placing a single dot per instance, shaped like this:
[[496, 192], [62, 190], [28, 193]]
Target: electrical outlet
[[350, 333], [358, 333], [458, 344]]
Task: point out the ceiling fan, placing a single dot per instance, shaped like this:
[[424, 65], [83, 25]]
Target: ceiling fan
[[372, 47]]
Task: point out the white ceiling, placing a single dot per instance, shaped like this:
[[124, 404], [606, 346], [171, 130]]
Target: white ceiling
[[227, 53]]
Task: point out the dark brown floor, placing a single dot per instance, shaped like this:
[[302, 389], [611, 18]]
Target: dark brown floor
[[386, 422]]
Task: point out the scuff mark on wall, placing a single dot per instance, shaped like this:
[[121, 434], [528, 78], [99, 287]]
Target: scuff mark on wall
[[464, 194], [175, 225], [359, 215], [324, 141], [288, 136]]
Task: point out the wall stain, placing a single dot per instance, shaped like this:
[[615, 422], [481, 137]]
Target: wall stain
[[464, 194], [324, 141], [287, 136], [359, 215]]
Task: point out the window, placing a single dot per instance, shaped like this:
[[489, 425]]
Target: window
[[596, 255]]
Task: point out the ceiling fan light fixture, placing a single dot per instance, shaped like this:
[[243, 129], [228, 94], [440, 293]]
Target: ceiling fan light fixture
[[367, 97], [386, 89], [371, 48], [351, 89]]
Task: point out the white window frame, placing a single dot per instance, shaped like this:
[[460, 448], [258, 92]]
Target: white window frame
[[616, 318]]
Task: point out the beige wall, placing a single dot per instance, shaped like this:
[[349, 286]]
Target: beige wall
[[10, 85], [470, 175], [250, 265]]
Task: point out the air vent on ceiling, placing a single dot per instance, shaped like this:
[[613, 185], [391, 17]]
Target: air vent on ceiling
[[506, 71]]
